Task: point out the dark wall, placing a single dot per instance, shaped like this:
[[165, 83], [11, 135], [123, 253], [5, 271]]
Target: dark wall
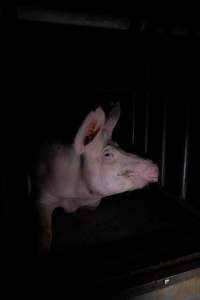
[[54, 75]]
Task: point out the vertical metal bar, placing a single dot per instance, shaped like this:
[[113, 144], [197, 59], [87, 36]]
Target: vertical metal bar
[[146, 137], [185, 156], [163, 154], [133, 118]]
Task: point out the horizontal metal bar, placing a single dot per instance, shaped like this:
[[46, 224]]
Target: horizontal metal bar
[[161, 283], [144, 280], [71, 18]]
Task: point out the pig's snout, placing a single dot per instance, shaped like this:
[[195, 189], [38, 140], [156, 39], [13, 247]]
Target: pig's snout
[[148, 171]]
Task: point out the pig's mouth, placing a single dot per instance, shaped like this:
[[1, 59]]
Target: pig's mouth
[[150, 176], [127, 173]]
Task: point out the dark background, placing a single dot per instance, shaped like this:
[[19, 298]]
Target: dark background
[[53, 75]]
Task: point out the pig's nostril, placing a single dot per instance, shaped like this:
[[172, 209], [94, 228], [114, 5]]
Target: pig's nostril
[[151, 173]]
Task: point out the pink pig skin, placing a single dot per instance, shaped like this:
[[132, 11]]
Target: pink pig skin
[[86, 171]]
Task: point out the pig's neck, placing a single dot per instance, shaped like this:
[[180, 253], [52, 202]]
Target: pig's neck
[[81, 187], [72, 188]]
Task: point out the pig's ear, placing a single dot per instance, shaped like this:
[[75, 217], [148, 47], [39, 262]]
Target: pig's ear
[[90, 130], [112, 119]]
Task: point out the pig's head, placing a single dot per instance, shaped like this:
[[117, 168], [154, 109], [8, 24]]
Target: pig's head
[[106, 169]]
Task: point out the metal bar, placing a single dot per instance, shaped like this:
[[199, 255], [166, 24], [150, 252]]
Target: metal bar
[[162, 282], [133, 118], [185, 156], [70, 18], [146, 138], [163, 155]]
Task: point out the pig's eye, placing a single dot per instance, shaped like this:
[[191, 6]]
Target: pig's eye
[[108, 154]]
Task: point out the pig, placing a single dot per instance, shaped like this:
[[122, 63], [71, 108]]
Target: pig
[[91, 168]]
